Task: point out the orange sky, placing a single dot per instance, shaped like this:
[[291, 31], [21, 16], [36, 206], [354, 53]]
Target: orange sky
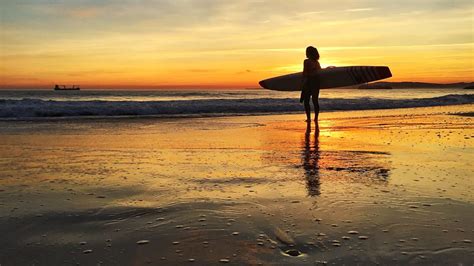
[[212, 43]]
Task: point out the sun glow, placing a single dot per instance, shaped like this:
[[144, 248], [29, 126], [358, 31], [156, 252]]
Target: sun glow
[[153, 44]]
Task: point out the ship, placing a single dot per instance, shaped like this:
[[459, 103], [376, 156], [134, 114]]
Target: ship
[[64, 88]]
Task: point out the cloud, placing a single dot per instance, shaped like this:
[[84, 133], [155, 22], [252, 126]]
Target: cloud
[[84, 12], [359, 9], [170, 15]]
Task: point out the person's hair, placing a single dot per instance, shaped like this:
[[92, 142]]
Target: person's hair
[[312, 53]]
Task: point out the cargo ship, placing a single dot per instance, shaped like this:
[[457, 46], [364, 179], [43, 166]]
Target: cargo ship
[[64, 88]]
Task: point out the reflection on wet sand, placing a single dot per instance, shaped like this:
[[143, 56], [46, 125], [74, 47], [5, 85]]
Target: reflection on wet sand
[[334, 163], [241, 190], [311, 160]]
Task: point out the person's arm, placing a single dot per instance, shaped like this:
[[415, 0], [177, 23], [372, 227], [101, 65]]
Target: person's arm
[[306, 67], [318, 66]]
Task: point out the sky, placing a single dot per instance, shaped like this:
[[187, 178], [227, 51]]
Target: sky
[[226, 44]]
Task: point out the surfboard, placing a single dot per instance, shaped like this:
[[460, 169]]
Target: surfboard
[[332, 77]]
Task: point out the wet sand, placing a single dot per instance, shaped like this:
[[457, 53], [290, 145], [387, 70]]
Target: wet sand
[[386, 187]]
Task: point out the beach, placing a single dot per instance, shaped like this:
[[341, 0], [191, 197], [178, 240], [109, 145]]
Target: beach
[[386, 187]]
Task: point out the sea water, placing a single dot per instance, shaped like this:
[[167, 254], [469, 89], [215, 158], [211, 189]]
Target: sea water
[[26, 104]]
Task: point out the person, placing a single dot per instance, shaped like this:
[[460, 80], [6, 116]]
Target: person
[[311, 85]]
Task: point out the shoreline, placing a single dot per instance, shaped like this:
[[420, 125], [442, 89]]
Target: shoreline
[[211, 115]]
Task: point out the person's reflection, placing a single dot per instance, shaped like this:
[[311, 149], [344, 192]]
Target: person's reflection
[[311, 160]]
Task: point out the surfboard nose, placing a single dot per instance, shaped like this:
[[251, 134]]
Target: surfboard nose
[[262, 84]]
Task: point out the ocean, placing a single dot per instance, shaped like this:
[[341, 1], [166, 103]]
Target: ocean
[[37, 104]]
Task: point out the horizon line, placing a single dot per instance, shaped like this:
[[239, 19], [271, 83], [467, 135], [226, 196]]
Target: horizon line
[[187, 86]]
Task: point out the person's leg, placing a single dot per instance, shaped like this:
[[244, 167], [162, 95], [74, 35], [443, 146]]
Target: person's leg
[[307, 108], [315, 97]]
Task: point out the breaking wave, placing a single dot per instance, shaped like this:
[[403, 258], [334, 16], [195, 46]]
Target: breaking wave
[[36, 108]]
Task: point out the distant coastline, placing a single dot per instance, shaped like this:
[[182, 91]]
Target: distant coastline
[[420, 85]]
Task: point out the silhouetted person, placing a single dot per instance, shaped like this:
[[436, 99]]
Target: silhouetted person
[[311, 83], [311, 161]]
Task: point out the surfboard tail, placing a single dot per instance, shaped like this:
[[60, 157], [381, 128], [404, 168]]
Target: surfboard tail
[[384, 72]]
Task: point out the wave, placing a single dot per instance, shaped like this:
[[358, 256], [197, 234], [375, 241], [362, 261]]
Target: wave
[[34, 108]]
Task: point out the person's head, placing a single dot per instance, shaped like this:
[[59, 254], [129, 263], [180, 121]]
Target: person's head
[[312, 53]]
